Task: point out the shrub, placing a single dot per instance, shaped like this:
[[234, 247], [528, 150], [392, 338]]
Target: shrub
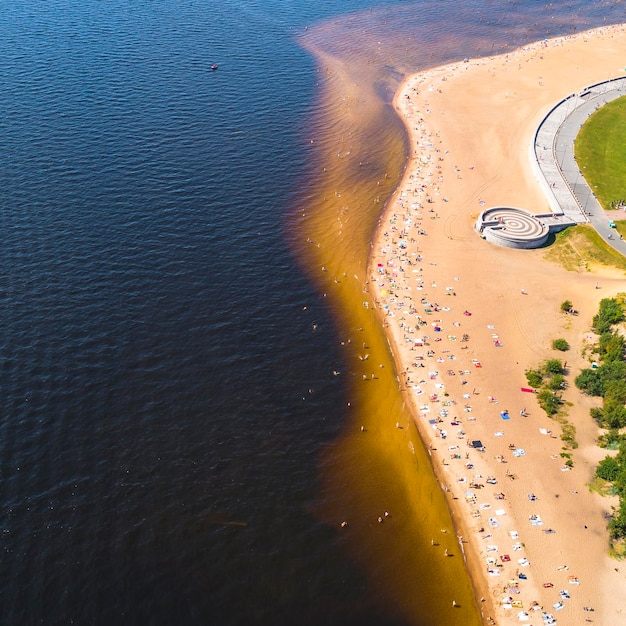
[[615, 392], [557, 382], [608, 469], [621, 455], [610, 313], [553, 366], [590, 381], [566, 306], [617, 526], [610, 377], [560, 344], [597, 413], [611, 347], [614, 416], [569, 435], [548, 401], [611, 439], [534, 378], [596, 381]]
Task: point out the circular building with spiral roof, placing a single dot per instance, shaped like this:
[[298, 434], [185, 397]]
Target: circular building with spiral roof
[[517, 228]]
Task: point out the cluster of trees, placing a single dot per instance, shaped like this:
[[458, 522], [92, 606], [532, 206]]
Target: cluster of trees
[[613, 469], [608, 380]]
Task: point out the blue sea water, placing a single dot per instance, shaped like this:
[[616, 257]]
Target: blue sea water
[[158, 439]]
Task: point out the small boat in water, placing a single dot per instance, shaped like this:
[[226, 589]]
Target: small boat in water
[[214, 67]]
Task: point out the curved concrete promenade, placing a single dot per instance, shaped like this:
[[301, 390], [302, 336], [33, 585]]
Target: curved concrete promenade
[[552, 157]]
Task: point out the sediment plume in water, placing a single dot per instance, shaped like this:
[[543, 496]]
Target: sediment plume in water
[[378, 468]]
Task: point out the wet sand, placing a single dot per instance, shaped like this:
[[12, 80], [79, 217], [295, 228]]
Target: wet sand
[[484, 315]]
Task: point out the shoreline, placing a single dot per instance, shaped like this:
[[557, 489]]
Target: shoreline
[[483, 315]]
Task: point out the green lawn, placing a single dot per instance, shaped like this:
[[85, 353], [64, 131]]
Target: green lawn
[[580, 248], [600, 150]]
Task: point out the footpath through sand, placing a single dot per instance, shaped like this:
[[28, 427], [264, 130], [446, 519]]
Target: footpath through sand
[[466, 318]]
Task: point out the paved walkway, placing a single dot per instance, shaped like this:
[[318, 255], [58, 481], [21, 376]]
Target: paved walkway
[[553, 148]]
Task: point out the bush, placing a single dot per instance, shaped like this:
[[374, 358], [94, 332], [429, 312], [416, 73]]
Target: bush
[[617, 526], [614, 416], [597, 413], [611, 347], [590, 382], [569, 435], [534, 378], [553, 366], [612, 376], [621, 456], [608, 469], [557, 382], [611, 439], [596, 381], [610, 313], [548, 401], [560, 344], [615, 392], [566, 306]]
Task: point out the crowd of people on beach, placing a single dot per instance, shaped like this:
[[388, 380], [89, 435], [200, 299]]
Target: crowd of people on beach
[[452, 396]]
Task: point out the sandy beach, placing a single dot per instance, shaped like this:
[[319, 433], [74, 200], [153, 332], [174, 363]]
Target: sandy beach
[[466, 318]]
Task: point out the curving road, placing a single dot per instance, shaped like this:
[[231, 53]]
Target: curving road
[[553, 147]]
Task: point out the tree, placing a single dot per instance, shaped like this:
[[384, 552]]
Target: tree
[[566, 306]]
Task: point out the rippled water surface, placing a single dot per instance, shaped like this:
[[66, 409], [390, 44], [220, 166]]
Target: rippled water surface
[[173, 444]]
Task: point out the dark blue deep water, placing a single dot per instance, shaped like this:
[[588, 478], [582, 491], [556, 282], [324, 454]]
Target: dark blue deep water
[[158, 443]]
